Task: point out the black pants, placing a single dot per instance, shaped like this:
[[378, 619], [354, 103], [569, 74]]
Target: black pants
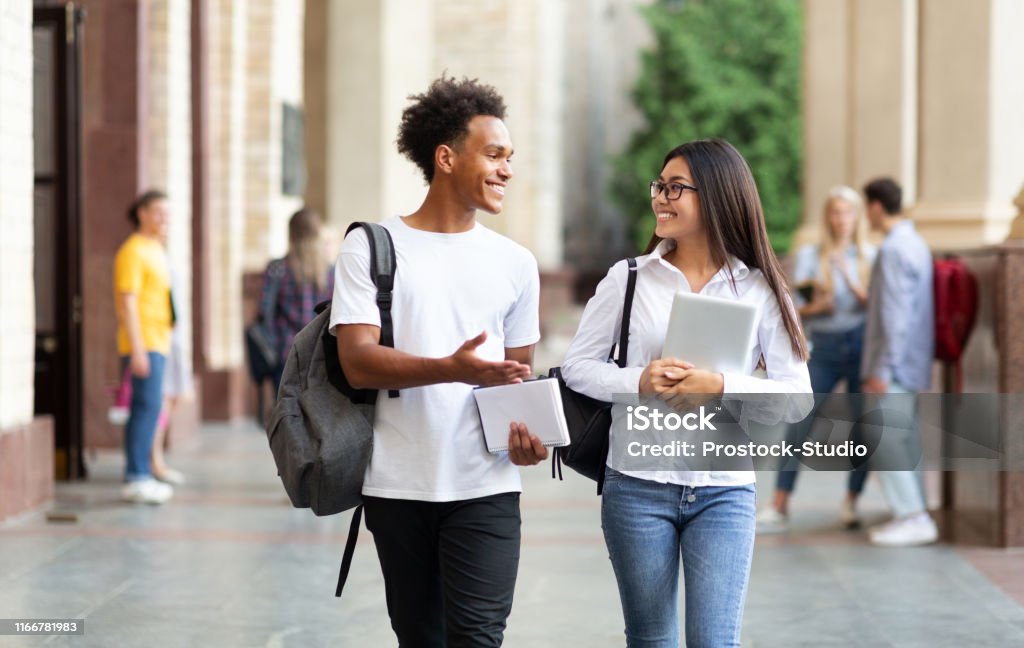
[[449, 567]]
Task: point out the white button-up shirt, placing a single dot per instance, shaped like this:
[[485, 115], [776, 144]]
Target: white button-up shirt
[[587, 370]]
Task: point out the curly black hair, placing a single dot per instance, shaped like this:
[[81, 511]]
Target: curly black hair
[[441, 115]]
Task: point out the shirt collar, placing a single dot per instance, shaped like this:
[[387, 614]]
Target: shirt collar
[[905, 224], [740, 270]]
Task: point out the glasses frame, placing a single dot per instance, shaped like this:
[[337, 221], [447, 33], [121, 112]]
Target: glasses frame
[[657, 187]]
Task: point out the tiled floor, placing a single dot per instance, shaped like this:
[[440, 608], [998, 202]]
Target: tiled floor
[[229, 563]]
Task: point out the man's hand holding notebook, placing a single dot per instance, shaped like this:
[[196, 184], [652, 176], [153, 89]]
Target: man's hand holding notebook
[[511, 414]]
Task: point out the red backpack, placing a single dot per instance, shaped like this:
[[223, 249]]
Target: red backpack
[[956, 308]]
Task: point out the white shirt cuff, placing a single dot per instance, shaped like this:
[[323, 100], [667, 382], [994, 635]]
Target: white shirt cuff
[[625, 385]]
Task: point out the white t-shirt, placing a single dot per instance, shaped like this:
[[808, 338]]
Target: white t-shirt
[[428, 444]]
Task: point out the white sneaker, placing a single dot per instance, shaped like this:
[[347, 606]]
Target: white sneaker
[[905, 532], [848, 514], [146, 491], [769, 520]]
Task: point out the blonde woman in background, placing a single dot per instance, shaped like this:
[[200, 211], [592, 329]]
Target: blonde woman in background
[[831, 279], [294, 285]]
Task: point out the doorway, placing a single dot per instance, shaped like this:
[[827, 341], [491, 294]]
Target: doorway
[[56, 50]]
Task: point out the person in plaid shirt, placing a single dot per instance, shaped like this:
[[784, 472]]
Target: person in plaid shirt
[[294, 285]]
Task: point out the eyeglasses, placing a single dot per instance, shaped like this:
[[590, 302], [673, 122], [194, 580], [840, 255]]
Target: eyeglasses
[[673, 190]]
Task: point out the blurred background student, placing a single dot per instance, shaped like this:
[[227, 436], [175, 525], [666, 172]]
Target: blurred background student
[[898, 351], [831, 277], [145, 319], [295, 284]]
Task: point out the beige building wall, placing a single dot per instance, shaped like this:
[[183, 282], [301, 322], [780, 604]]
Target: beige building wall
[[377, 54], [972, 141], [315, 37], [565, 69], [169, 165], [380, 53], [520, 49], [226, 225], [860, 99], [602, 62], [17, 297], [274, 76], [885, 93]]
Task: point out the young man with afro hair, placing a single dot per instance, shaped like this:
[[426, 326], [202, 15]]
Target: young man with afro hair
[[444, 512]]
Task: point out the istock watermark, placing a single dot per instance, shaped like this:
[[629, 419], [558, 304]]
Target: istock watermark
[[975, 432], [645, 418]]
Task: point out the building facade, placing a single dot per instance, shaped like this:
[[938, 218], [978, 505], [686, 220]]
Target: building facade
[[244, 110]]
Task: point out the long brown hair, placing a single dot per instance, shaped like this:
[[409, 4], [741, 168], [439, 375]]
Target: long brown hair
[[306, 255], [731, 213]]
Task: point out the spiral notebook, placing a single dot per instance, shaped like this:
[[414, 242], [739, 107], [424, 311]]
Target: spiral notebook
[[536, 403]]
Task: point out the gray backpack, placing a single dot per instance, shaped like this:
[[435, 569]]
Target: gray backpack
[[321, 428]]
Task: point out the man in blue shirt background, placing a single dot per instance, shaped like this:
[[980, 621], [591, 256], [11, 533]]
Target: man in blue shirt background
[[899, 344]]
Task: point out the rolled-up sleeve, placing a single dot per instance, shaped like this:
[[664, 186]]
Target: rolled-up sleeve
[[355, 296], [785, 393], [522, 323]]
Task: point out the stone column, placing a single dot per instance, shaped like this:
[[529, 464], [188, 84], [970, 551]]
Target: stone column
[[377, 55], [314, 73], [826, 107], [274, 77], [520, 49], [26, 445], [169, 167], [224, 378], [115, 168], [971, 131], [17, 300], [860, 99]]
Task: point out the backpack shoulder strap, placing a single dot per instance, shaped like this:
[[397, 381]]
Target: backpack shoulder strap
[[350, 547], [622, 348], [272, 277], [627, 310], [382, 272]]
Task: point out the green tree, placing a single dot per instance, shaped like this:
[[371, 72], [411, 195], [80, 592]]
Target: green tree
[[720, 68]]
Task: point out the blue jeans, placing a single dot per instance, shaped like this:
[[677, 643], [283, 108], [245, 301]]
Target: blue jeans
[[147, 400], [647, 527], [834, 357]]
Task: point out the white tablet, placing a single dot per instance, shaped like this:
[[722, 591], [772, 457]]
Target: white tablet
[[711, 332]]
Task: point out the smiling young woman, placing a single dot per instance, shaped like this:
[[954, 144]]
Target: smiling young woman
[[710, 238]]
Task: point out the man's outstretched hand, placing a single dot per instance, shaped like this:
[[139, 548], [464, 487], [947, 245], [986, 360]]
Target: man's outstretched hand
[[467, 367]]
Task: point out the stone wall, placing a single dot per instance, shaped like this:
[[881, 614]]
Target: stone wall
[[26, 444], [17, 299]]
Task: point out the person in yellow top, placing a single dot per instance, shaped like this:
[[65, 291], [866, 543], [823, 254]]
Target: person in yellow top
[[145, 319]]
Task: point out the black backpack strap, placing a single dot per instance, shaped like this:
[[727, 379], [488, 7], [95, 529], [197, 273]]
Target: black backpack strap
[[623, 346], [350, 547], [627, 311], [382, 272]]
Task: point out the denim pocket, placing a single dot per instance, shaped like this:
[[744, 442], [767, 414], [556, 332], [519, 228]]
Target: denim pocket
[[610, 474]]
